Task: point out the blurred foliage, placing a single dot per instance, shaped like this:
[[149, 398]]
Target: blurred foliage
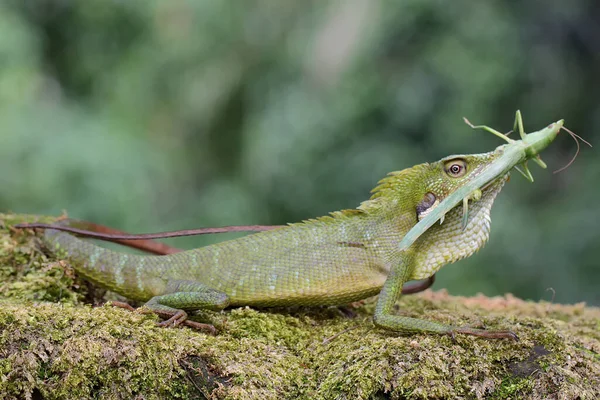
[[155, 115]]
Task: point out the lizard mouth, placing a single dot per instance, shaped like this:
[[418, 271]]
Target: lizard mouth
[[431, 201]]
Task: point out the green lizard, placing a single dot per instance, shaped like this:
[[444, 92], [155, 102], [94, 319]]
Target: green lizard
[[349, 255]]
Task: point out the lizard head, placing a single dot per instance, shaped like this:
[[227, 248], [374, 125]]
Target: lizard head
[[431, 193], [482, 177], [475, 180], [444, 177], [464, 229]]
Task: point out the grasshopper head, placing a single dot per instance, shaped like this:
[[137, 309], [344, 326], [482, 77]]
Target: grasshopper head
[[537, 141]]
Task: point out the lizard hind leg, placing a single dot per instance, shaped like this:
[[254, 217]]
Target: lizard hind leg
[[182, 296]]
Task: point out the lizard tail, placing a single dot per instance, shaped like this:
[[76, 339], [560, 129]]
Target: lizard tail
[[120, 272]]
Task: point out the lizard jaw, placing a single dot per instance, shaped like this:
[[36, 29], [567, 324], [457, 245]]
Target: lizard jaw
[[450, 242]]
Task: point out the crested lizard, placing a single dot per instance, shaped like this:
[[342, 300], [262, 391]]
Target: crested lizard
[[388, 240]]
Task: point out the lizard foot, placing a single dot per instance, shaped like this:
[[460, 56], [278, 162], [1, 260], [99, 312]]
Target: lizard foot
[[180, 318], [483, 333], [174, 319]]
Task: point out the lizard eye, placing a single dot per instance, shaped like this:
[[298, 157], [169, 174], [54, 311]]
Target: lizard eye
[[456, 168]]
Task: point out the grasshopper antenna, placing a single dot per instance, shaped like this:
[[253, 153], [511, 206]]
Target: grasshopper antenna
[[575, 138]]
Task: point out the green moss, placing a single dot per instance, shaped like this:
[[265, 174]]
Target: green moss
[[27, 274], [54, 345], [512, 387]]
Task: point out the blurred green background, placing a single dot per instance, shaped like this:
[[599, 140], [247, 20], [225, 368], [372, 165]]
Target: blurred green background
[[157, 115]]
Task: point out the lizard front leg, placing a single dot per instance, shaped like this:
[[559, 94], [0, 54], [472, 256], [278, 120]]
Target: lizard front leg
[[391, 292]]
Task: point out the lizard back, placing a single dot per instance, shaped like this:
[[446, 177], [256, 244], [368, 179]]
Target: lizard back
[[332, 260]]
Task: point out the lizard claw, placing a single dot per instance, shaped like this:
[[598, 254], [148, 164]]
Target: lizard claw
[[174, 320], [452, 334], [208, 328], [120, 304], [181, 318]]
